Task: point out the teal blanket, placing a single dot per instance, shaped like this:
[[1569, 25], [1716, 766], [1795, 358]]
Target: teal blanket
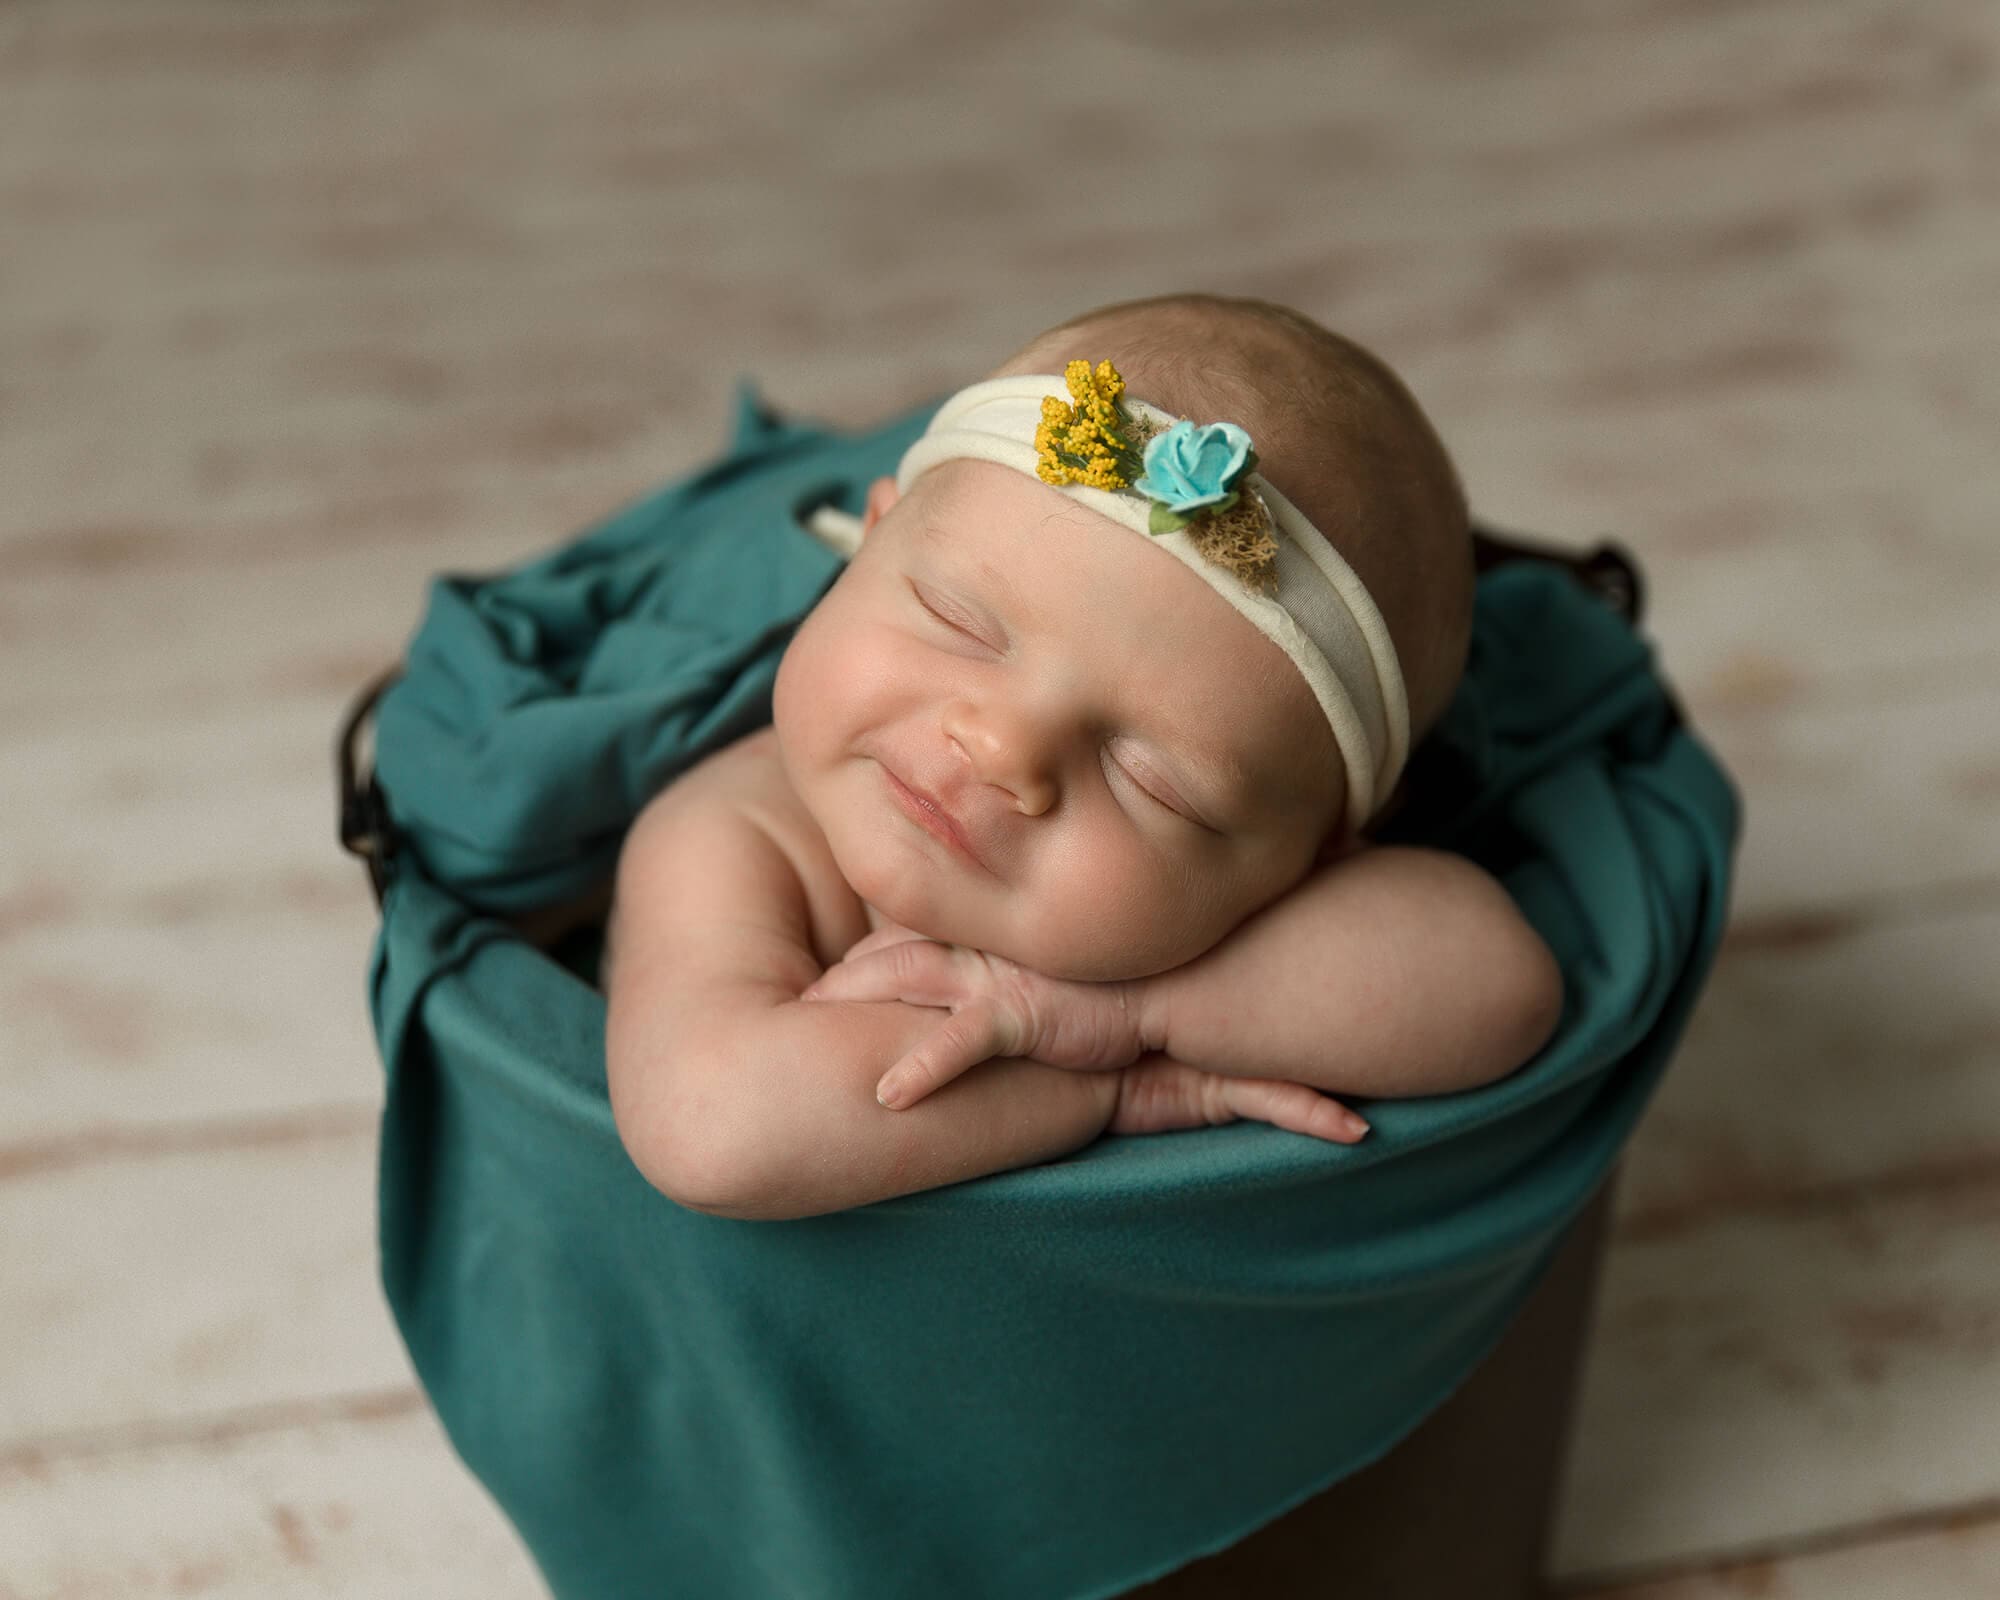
[[1059, 1381]]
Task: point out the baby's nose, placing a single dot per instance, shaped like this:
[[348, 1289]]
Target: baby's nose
[[1010, 752]]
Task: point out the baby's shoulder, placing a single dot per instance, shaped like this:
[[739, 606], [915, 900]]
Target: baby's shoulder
[[747, 780]]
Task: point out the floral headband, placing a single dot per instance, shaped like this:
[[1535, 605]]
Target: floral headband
[[1195, 493], [1195, 477]]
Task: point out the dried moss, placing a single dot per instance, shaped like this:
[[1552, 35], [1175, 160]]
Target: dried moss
[[1238, 540]]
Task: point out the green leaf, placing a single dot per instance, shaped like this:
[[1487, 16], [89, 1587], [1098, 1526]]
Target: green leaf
[[1164, 520]]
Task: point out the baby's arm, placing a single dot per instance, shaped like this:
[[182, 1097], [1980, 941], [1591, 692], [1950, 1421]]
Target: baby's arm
[[1394, 971], [731, 1096], [795, 1085]]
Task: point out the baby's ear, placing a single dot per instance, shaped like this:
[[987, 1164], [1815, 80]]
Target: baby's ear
[[882, 494]]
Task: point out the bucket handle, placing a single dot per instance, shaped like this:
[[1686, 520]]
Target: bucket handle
[[365, 828]]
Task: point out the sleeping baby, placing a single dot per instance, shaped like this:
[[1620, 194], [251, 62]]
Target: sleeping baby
[[1061, 825]]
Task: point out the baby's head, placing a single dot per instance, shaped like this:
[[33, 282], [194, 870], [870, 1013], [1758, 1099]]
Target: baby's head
[[1138, 767]]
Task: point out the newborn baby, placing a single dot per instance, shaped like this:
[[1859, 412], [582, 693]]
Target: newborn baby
[[1063, 813]]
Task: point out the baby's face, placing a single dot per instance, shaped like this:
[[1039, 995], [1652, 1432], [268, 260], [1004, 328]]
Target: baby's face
[[1136, 768]]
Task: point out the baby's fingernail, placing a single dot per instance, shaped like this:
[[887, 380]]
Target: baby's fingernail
[[889, 1092], [1355, 1125]]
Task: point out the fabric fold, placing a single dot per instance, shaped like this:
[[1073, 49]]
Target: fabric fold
[[668, 1402]]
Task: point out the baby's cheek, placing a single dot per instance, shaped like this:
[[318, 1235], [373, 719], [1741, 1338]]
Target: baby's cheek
[[827, 670], [1104, 926]]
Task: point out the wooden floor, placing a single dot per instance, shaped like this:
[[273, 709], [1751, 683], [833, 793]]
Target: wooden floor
[[299, 304]]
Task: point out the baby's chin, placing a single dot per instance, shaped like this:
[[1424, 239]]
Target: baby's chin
[[1102, 965], [1060, 942]]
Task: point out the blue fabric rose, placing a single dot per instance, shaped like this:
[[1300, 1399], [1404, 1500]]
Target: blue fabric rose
[[1189, 467]]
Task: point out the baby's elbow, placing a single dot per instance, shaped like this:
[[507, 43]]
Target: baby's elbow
[[662, 1167], [657, 1158], [1538, 1003], [691, 1172], [694, 1178]]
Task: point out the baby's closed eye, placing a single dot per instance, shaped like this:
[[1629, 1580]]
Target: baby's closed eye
[[1154, 788], [942, 612]]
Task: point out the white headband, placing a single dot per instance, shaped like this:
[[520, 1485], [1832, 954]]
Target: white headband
[[1321, 615]]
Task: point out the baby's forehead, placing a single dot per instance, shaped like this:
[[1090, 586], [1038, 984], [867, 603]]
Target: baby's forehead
[[980, 493]]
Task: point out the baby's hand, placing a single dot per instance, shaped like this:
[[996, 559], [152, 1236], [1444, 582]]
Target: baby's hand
[[1160, 1095], [998, 1008]]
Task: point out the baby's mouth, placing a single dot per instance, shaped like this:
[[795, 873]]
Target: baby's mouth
[[931, 819]]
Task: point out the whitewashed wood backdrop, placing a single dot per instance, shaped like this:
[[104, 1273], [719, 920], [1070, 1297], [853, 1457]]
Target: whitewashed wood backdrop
[[299, 304]]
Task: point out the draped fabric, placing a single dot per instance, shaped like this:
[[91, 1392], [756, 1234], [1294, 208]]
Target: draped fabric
[[1059, 1381]]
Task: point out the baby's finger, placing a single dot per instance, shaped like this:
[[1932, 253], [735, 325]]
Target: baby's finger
[[971, 1036], [1297, 1107], [917, 971], [884, 936]]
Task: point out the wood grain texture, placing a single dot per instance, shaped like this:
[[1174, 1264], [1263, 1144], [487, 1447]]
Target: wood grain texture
[[358, 1506], [300, 305]]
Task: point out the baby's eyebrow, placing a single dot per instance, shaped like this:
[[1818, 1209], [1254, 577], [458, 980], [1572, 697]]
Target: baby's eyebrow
[[993, 575]]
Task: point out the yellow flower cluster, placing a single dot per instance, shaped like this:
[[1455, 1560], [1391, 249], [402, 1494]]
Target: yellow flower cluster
[[1084, 443]]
